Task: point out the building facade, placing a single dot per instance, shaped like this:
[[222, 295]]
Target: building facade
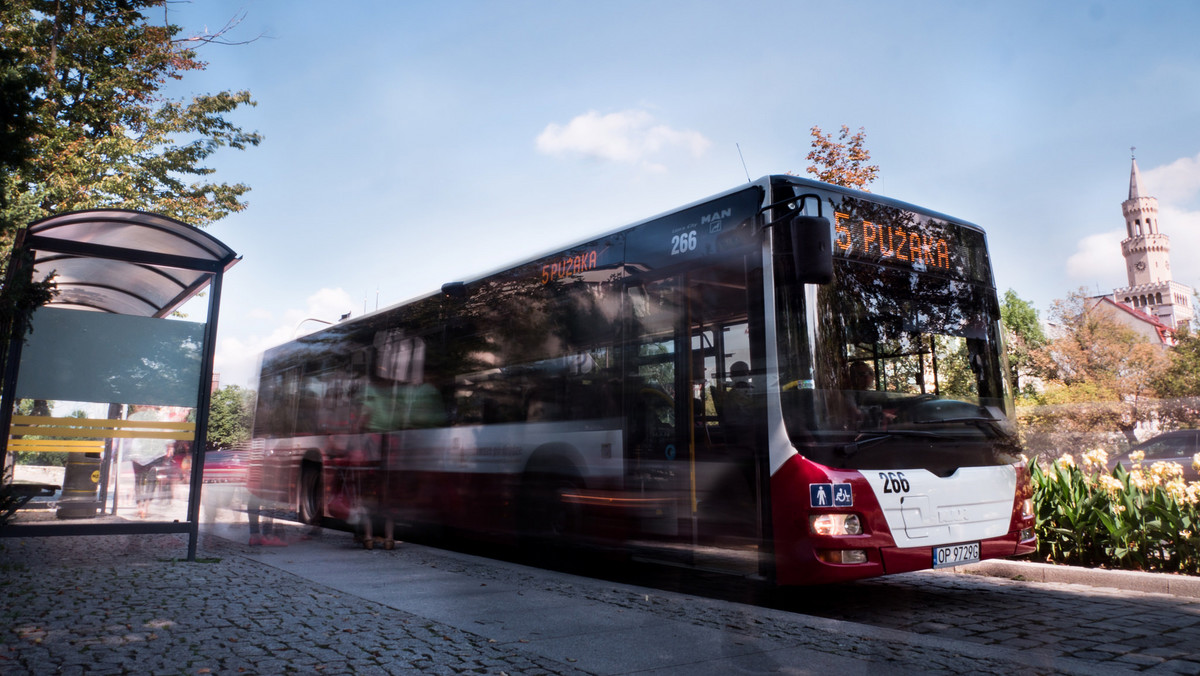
[[1147, 252]]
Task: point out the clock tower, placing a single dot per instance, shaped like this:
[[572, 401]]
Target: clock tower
[[1148, 261]]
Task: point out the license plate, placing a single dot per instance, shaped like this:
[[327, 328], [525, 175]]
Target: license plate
[[955, 555]]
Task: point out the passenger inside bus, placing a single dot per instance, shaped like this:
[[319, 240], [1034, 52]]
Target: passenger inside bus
[[735, 404], [856, 410]]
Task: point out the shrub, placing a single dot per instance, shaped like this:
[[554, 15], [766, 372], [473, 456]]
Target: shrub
[[1140, 519]]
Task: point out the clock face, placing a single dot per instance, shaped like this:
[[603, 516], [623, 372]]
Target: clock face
[[1140, 265]]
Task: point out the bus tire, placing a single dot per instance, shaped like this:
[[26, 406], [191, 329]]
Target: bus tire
[[311, 509], [547, 520]]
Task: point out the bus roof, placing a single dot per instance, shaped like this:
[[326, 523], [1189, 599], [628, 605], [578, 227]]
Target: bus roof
[[764, 183]]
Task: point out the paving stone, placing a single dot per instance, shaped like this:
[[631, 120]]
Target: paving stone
[[129, 600]]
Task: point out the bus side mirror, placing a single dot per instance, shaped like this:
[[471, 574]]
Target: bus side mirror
[[812, 249]]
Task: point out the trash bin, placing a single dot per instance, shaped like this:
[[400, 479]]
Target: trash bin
[[81, 482]]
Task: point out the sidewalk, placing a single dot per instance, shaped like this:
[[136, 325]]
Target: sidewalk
[[130, 604]]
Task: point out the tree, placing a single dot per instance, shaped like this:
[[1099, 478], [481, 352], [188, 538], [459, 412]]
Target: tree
[[1100, 374], [100, 131], [18, 84], [1178, 386], [1023, 335], [1181, 378], [843, 163], [18, 87], [230, 414]]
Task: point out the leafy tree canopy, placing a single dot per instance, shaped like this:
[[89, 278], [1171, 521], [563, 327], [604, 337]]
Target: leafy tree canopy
[[842, 162], [1097, 358], [1181, 378], [1023, 335], [1096, 349], [100, 132], [230, 415]]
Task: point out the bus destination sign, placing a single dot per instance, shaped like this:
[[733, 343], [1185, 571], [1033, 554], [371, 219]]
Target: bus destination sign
[[899, 237], [924, 246]]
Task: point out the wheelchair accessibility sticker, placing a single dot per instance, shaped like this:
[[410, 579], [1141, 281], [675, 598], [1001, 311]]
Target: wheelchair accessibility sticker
[[830, 495]]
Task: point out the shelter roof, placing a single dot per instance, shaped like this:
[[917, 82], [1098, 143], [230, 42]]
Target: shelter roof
[[124, 262]]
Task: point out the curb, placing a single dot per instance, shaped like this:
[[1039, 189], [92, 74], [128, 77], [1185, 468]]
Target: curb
[[1129, 580]]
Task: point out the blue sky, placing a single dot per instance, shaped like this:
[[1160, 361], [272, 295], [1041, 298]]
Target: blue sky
[[408, 144]]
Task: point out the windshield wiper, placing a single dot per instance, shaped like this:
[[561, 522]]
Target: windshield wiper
[[850, 449], [965, 419], [984, 423]]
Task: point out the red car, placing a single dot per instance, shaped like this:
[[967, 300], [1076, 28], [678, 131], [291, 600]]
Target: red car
[[225, 466]]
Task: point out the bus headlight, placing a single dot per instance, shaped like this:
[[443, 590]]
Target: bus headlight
[[1027, 507], [835, 524]]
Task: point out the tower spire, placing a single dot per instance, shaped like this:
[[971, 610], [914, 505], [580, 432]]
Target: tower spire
[[1135, 177], [1147, 254]]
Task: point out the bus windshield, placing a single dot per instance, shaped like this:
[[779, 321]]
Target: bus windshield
[[897, 365]]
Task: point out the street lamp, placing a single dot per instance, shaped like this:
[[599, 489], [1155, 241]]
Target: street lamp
[[308, 319]]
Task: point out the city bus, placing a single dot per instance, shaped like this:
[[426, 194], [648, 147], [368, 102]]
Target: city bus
[[790, 381]]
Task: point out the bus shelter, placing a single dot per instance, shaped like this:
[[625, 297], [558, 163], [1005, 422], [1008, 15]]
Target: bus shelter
[[110, 377]]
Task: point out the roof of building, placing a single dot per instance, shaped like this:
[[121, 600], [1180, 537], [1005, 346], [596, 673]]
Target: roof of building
[[1166, 334]]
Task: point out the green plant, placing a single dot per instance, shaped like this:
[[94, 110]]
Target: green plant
[[1138, 519]]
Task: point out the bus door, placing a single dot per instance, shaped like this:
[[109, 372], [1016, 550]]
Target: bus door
[[724, 385], [271, 473], [657, 446], [691, 432]]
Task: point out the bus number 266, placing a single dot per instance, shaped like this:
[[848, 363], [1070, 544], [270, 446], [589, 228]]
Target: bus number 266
[[894, 482], [683, 243]]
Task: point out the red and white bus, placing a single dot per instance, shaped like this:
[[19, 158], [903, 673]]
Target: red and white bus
[[789, 379]]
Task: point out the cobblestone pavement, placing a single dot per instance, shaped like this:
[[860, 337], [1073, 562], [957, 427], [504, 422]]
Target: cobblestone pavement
[[128, 604], [1158, 633]]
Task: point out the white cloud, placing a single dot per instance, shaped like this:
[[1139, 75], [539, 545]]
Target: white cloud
[[629, 137], [1183, 227], [1174, 183], [236, 360], [1098, 258]]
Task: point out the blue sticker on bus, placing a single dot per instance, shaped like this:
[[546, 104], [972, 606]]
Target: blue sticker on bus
[[820, 495], [843, 496], [830, 495]]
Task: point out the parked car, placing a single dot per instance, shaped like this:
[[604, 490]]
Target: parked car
[[224, 481], [225, 466], [1178, 447]]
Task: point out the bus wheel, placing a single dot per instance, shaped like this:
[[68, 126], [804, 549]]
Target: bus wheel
[[312, 494], [547, 518]]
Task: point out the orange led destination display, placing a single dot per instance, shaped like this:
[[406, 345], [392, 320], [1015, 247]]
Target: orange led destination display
[[570, 265], [871, 240]]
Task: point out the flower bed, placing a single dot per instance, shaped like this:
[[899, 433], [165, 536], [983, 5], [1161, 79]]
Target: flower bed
[[1136, 519]]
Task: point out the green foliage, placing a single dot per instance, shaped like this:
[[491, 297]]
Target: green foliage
[[1137, 519], [18, 83], [1181, 378], [83, 124], [230, 415], [1022, 334], [100, 132]]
